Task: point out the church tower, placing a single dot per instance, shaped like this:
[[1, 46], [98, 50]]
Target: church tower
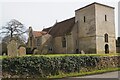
[[96, 28]]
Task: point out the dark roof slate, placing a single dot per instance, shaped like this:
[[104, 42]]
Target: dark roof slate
[[62, 28]]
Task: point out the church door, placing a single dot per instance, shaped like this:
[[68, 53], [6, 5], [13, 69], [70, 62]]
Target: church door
[[106, 48]]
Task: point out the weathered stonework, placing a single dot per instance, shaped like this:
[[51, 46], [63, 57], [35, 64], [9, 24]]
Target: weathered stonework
[[103, 27], [22, 51], [118, 49], [92, 31], [84, 33], [12, 48]]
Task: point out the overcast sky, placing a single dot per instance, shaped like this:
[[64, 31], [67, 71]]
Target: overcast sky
[[43, 13]]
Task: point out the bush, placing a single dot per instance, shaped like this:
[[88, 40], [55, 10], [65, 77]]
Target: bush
[[40, 66]]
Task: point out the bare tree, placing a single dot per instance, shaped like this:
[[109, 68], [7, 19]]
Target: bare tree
[[13, 29]]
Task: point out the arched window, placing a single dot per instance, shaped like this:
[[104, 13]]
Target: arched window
[[106, 37], [63, 42]]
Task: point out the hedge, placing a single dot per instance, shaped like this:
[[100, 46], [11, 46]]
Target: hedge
[[33, 66]]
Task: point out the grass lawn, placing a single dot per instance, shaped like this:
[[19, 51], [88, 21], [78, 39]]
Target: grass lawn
[[85, 73], [58, 55], [1, 57]]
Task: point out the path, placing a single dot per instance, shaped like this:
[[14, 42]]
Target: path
[[111, 75]]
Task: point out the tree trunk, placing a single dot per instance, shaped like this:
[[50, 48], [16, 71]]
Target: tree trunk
[[11, 34]]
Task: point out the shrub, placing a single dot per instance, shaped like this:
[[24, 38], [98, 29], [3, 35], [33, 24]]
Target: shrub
[[41, 66]]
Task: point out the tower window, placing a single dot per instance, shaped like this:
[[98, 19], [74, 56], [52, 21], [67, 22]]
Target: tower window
[[105, 17], [84, 19], [50, 48], [106, 37], [63, 42]]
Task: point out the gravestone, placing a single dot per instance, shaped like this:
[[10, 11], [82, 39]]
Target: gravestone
[[22, 51], [35, 51], [12, 48], [82, 52]]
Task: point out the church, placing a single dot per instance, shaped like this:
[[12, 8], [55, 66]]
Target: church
[[91, 30]]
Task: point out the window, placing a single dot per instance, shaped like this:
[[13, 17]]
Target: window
[[63, 42], [38, 41], [50, 48], [105, 17], [106, 37], [84, 19]]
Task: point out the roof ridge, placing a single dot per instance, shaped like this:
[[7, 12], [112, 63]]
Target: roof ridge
[[65, 20], [37, 31], [94, 3], [62, 27], [51, 28]]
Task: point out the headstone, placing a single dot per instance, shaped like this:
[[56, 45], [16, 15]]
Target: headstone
[[22, 51], [82, 52], [35, 51], [4, 54], [12, 48]]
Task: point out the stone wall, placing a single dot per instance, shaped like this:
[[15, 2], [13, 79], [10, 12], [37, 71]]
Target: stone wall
[[57, 44], [75, 38], [105, 26], [72, 42], [87, 30], [45, 44], [109, 62], [93, 27], [104, 63], [33, 41], [118, 49]]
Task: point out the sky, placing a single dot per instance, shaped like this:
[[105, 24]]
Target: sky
[[119, 19], [44, 13]]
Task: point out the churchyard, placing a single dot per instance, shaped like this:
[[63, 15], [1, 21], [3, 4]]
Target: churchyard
[[67, 49], [18, 64]]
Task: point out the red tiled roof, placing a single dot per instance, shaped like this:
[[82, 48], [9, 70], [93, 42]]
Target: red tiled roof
[[38, 33]]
